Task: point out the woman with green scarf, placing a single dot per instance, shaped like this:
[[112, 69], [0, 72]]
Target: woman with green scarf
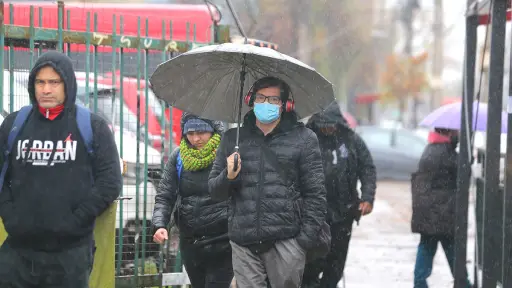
[[202, 222]]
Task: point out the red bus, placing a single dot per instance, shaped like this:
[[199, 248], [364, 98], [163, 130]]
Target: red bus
[[196, 15]]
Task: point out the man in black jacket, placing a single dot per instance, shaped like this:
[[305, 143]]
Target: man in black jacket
[[54, 189], [346, 161], [277, 194]]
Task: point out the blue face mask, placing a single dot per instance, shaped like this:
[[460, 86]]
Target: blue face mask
[[266, 113]]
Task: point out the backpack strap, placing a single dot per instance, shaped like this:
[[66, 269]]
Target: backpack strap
[[19, 121], [179, 166], [179, 169], [83, 120]]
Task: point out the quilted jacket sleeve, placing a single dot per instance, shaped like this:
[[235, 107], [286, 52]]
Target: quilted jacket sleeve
[[167, 193], [312, 185], [365, 170], [218, 183]]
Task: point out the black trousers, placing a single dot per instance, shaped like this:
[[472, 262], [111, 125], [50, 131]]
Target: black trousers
[[205, 272], [333, 264], [23, 268]]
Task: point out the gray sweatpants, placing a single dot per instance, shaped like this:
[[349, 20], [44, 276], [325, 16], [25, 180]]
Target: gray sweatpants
[[282, 265]]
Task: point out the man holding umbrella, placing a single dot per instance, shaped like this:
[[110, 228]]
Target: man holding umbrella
[[278, 197]]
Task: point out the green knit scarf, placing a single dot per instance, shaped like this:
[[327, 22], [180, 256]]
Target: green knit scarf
[[193, 159]]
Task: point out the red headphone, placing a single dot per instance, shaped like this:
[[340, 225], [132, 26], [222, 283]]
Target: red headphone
[[288, 106]]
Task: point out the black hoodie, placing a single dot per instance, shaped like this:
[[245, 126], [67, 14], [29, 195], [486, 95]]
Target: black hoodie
[[350, 162], [52, 205]]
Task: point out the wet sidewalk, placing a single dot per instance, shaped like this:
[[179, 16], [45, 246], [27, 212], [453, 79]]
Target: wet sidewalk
[[383, 249]]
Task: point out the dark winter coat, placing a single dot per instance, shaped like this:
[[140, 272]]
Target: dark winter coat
[[433, 190], [346, 161], [264, 207], [198, 214], [53, 207]]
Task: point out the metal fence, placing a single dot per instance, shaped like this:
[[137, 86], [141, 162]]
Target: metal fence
[[112, 71]]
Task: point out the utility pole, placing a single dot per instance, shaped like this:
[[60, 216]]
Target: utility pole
[[437, 61], [407, 16]]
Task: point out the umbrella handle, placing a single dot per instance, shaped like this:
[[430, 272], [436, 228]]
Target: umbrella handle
[[235, 164]]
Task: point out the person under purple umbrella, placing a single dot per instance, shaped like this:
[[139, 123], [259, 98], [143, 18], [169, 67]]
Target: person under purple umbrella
[[433, 189], [448, 117]]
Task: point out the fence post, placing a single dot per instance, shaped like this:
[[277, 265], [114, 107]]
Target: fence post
[[95, 60], [163, 119], [2, 43], [87, 57], [146, 140], [137, 164], [60, 25], [121, 152], [507, 225], [464, 165], [32, 36], [492, 204], [11, 62]]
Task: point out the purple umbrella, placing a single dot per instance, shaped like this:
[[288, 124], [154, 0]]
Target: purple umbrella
[[448, 117]]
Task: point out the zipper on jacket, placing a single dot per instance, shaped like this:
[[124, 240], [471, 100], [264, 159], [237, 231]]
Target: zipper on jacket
[[260, 190]]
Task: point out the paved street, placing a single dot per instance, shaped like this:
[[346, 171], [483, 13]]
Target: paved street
[[383, 250]]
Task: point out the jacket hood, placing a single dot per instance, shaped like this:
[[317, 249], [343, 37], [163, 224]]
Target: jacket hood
[[218, 127], [436, 138], [331, 116], [64, 67]]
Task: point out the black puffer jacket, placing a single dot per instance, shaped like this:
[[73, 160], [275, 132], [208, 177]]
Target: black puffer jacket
[[434, 186], [346, 161], [263, 207], [199, 215]]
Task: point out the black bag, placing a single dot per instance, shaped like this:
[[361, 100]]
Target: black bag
[[323, 245], [213, 247]]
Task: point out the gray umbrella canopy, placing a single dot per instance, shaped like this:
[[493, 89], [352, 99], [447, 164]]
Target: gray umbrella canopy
[[206, 81]]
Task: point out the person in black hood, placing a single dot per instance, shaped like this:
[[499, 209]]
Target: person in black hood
[[346, 161], [433, 188], [277, 194], [202, 221], [51, 196]]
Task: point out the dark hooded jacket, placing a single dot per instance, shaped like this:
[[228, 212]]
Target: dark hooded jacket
[[198, 215], [434, 186], [265, 207], [346, 161], [53, 207]]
